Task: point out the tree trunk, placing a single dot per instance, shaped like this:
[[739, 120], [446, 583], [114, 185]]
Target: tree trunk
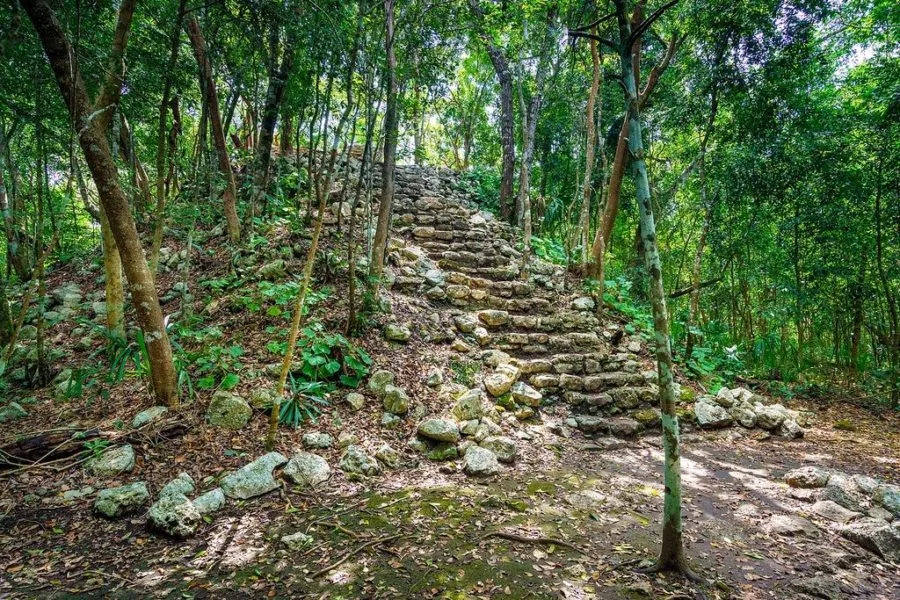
[[229, 197], [671, 553], [16, 251], [278, 79], [590, 143], [507, 139], [6, 323], [103, 169], [385, 208]]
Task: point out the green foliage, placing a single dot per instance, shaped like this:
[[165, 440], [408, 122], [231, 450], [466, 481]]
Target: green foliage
[[96, 447], [550, 250], [304, 403], [464, 371], [484, 185], [329, 357]]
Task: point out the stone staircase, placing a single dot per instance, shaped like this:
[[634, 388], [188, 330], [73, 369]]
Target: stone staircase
[[466, 263]]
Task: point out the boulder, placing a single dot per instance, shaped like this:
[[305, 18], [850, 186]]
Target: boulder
[[583, 303], [443, 451], [486, 428], [493, 318], [875, 536], [307, 470], [818, 586], [390, 420], [272, 271], [465, 323], [501, 380], [435, 378], [480, 462], [253, 479], [503, 447], [743, 414], [790, 429], [725, 398], [210, 502], [469, 405], [440, 430], [228, 410], [175, 515], [807, 477], [113, 461], [379, 380], [151, 415], [395, 332], [710, 415], [316, 439], [888, 497], [122, 500], [844, 492], [395, 400], [356, 461], [769, 417]]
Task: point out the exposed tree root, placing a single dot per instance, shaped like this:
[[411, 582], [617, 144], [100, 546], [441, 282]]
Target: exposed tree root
[[535, 540], [352, 553]]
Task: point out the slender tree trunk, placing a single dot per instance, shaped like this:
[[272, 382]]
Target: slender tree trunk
[[6, 323], [385, 209], [672, 552], [507, 139], [16, 252], [93, 143], [590, 143], [161, 146], [229, 197]]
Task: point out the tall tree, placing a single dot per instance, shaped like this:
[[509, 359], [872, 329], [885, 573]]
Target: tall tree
[[92, 139]]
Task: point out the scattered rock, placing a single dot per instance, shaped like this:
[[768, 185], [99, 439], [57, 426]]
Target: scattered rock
[[501, 380], [791, 525], [875, 536], [122, 500], [769, 418], [317, 439], [355, 400], [182, 484], [480, 462], [395, 400], [356, 461], [441, 430], [435, 378], [525, 394], [583, 303], [379, 380], [296, 541], [710, 415], [807, 477], [469, 405], [503, 447], [819, 586], [12, 411], [828, 509], [494, 318], [228, 410], [388, 456], [397, 333], [842, 491], [210, 502], [175, 515], [307, 470], [151, 415], [253, 479], [888, 496], [113, 461], [390, 420], [347, 439]]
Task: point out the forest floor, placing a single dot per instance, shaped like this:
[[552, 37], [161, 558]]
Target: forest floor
[[430, 532]]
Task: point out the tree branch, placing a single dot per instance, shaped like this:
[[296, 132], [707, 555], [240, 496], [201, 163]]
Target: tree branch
[[646, 23], [112, 89], [581, 34]]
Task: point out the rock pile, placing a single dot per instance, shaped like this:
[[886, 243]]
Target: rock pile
[[742, 407]]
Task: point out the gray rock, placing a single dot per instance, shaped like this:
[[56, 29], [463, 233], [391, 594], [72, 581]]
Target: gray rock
[[395, 400], [73, 495], [297, 541], [317, 439], [725, 398], [469, 405], [435, 378], [480, 462], [501, 380], [743, 415], [875, 536], [441, 430], [818, 586], [12, 411], [435, 277], [175, 515], [791, 525], [182, 484], [390, 420], [379, 380], [263, 399], [253, 479], [307, 470], [355, 400], [388, 456], [583, 303], [210, 502], [503, 447], [356, 461], [465, 323], [151, 415], [525, 394], [828, 509], [494, 318], [888, 496], [790, 429], [346, 439], [842, 491], [272, 271], [123, 500], [113, 461], [769, 418], [807, 477], [397, 333], [228, 410], [486, 428], [710, 415]]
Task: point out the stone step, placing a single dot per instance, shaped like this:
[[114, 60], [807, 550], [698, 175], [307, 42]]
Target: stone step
[[562, 321], [510, 272], [476, 298], [599, 382], [505, 289], [544, 343]]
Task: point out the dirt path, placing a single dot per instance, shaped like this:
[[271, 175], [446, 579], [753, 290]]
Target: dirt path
[[600, 502]]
